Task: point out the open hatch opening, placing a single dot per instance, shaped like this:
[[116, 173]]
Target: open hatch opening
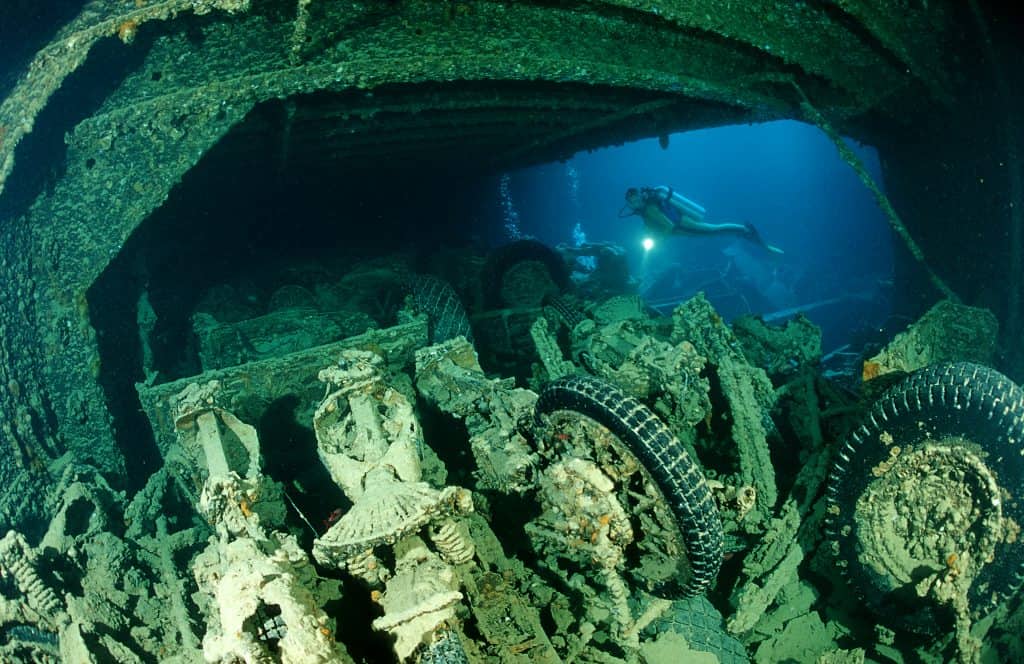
[[246, 262]]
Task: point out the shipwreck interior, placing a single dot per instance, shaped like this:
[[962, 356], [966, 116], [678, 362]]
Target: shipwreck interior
[[188, 187], [236, 230]]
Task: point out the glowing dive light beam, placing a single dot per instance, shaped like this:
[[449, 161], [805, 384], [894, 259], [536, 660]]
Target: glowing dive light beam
[[648, 244]]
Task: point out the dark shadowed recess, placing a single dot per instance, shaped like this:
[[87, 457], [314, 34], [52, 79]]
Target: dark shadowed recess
[[232, 221]]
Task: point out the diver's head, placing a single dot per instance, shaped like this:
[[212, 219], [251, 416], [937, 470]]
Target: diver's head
[[634, 199]]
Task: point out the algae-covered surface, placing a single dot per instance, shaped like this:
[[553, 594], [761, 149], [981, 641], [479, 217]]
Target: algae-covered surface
[[468, 518]]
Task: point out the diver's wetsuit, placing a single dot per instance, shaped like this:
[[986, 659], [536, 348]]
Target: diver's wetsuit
[[676, 220]]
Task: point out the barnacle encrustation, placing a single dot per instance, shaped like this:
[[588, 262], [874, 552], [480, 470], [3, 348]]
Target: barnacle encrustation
[[664, 464], [924, 505], [388, 510]]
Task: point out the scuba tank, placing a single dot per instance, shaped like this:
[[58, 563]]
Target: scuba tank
[[691, 210], [684, 207]]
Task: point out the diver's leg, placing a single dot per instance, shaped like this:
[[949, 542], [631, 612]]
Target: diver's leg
[[703, 227], [746, 231]]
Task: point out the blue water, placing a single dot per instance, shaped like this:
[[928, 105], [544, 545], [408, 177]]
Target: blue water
[[784, 177]]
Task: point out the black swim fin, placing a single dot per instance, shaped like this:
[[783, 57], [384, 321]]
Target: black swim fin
[[755, 237]]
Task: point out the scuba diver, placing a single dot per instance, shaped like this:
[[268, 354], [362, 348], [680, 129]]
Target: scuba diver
[[667, 213]]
